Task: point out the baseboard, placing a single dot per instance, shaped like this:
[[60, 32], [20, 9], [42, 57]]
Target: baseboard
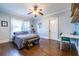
[[44, 37], [5, 41], [51, 39]]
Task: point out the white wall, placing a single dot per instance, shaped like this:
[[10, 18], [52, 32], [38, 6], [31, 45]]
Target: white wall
[[4, 31], [43, 32], [64, 24]]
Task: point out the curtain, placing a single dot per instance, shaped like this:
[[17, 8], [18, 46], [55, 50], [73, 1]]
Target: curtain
[[19, 25]]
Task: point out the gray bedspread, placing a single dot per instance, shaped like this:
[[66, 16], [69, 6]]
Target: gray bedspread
[[20, 40]]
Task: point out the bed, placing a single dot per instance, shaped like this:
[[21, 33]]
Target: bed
[[21, 38]]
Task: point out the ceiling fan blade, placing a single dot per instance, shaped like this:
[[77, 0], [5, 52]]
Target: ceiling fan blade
[[29, 12], [40, 13], [40, 9], [35, 15], [30, 9]]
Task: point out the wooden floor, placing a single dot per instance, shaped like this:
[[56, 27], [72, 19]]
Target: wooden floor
[[45, 48]]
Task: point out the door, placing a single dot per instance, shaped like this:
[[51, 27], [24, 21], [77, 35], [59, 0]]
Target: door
[[53, 29]]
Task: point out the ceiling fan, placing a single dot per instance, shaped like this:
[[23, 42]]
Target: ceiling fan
[[35, 11]]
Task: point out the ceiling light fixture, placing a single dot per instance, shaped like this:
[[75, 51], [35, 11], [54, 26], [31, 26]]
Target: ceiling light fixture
[[36, 11]]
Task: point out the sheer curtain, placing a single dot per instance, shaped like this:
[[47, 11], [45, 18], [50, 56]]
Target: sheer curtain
[[20, 25], [26, 26]]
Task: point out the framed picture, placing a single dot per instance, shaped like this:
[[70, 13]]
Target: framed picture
[[4, 24]]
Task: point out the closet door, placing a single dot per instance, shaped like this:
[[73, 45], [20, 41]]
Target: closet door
[[53, 28]]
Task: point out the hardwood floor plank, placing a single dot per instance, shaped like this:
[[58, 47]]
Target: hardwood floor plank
[[45, 48]]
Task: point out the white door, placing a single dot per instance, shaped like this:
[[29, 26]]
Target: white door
[[53, 25]]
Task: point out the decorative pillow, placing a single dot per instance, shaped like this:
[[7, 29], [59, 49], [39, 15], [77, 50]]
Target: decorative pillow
[[20, 33]]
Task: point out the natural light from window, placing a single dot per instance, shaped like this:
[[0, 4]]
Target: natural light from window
[[20, 25]]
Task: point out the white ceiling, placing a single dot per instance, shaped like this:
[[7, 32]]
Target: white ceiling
[[22, 8]]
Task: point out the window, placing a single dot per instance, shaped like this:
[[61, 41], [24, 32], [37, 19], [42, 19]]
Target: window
[[26, 26], [16, 25], [20, 25]]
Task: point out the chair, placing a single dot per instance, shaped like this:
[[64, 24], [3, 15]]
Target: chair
[[65, 39]]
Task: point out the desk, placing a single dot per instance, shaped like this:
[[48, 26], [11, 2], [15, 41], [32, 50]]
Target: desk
[[75, 37]]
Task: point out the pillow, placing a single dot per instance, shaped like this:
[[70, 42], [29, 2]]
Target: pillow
[[20, 33]]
